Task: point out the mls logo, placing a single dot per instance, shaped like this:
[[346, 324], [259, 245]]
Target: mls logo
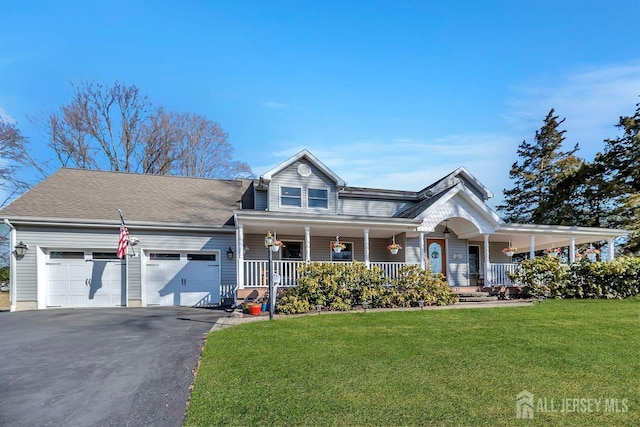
[[524, 405]]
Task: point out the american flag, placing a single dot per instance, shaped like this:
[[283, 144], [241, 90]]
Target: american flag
[[123, 241]]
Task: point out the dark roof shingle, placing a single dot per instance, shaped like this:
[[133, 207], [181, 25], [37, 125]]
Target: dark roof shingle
[[97, 195]]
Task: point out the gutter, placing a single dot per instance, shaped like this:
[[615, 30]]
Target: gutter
[[12, 266], [137, 225]]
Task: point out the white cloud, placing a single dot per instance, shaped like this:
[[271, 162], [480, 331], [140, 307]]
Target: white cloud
[[591, 100]]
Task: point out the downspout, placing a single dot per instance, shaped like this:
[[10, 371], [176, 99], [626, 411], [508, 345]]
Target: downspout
[[12, 265]]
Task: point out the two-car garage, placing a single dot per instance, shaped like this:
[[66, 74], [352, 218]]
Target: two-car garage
[[94, 278]]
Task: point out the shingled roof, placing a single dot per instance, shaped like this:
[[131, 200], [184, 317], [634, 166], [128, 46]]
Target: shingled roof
[[82, 194]]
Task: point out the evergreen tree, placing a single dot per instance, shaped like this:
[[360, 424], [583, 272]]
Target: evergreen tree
[[534, 197], [621, 158]]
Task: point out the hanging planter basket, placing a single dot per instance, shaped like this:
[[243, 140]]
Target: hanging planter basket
[[275, 248], [394, 251], [337, 246], [509, 253]]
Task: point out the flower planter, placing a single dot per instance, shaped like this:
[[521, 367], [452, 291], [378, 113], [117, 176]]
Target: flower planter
[[275, 248], [337, 249], [509, 253], [552, 254], [393, 251], [255, 309], [591, 257]]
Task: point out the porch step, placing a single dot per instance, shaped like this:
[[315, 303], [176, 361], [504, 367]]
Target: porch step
[[477, 299], [474, 296]]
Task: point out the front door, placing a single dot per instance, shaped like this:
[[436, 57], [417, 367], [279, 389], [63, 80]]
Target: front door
[[437, 256]]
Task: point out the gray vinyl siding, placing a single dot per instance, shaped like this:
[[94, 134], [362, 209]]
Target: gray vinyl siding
[[412, 250], [261, 200], [458, 269], [321, 251], [48, 238], [289, 177], [495, 252], [376, 208]]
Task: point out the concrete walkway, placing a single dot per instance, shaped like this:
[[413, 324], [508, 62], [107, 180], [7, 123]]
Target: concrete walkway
[[237, 317]]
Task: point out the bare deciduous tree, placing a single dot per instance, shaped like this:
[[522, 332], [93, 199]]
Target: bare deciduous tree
[[116, 128]]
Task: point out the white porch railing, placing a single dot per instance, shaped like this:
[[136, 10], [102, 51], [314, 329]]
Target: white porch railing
[[390, 269], [499, 272], [256, 273]]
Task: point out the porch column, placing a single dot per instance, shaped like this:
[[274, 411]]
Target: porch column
[[532, 246], [240, 257], [572, 250], [487, 263], [423, 260], [611, 249], [366, 248], [307, 243]]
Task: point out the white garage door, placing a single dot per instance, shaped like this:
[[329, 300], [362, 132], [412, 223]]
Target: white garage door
[[84, 279], [182, 279]]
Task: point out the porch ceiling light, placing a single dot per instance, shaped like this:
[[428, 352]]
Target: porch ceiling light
[[21, 249], [446, 233]]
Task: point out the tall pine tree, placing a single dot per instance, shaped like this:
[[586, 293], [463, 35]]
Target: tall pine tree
[[621, 159], [543, 168]]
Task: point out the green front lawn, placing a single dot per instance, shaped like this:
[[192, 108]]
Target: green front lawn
[[431, 367]]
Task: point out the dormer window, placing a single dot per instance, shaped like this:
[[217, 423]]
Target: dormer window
[[318, 198], [291, 196]]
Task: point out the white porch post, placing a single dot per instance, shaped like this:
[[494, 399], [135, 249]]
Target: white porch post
[[487, 263], [532, 246], [366, 248], [307, 243], [572, 250], [423, 260], [240, 257], [611, 249]]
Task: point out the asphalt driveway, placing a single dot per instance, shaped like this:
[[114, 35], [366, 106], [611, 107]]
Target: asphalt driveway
[[99, 367]]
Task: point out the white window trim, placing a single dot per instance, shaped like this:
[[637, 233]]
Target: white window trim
[[327, 189], [285, 241], [302, 192]]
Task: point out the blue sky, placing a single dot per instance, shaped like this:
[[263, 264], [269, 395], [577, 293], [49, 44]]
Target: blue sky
[[389, 94]]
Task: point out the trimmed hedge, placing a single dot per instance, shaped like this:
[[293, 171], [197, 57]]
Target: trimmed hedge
[[340, 286], [619, 278]]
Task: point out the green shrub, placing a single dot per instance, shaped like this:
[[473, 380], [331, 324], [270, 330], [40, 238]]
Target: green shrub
[[619, 278], [414, 284], [542, 276], [340, 286]]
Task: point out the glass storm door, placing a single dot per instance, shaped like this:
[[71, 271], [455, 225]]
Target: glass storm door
[[436, 256]]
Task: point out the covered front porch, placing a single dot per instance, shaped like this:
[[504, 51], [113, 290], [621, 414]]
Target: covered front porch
[[466, 254], [307, 238]]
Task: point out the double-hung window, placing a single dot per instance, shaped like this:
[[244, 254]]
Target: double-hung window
[[317, 198], [291, 196]]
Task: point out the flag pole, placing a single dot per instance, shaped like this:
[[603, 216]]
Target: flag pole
[[126, 264]]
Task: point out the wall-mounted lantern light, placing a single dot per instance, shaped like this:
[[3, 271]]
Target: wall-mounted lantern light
[[230, 253], [21, 249]]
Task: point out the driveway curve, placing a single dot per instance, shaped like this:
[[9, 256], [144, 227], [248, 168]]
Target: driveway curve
[[99, 367]]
